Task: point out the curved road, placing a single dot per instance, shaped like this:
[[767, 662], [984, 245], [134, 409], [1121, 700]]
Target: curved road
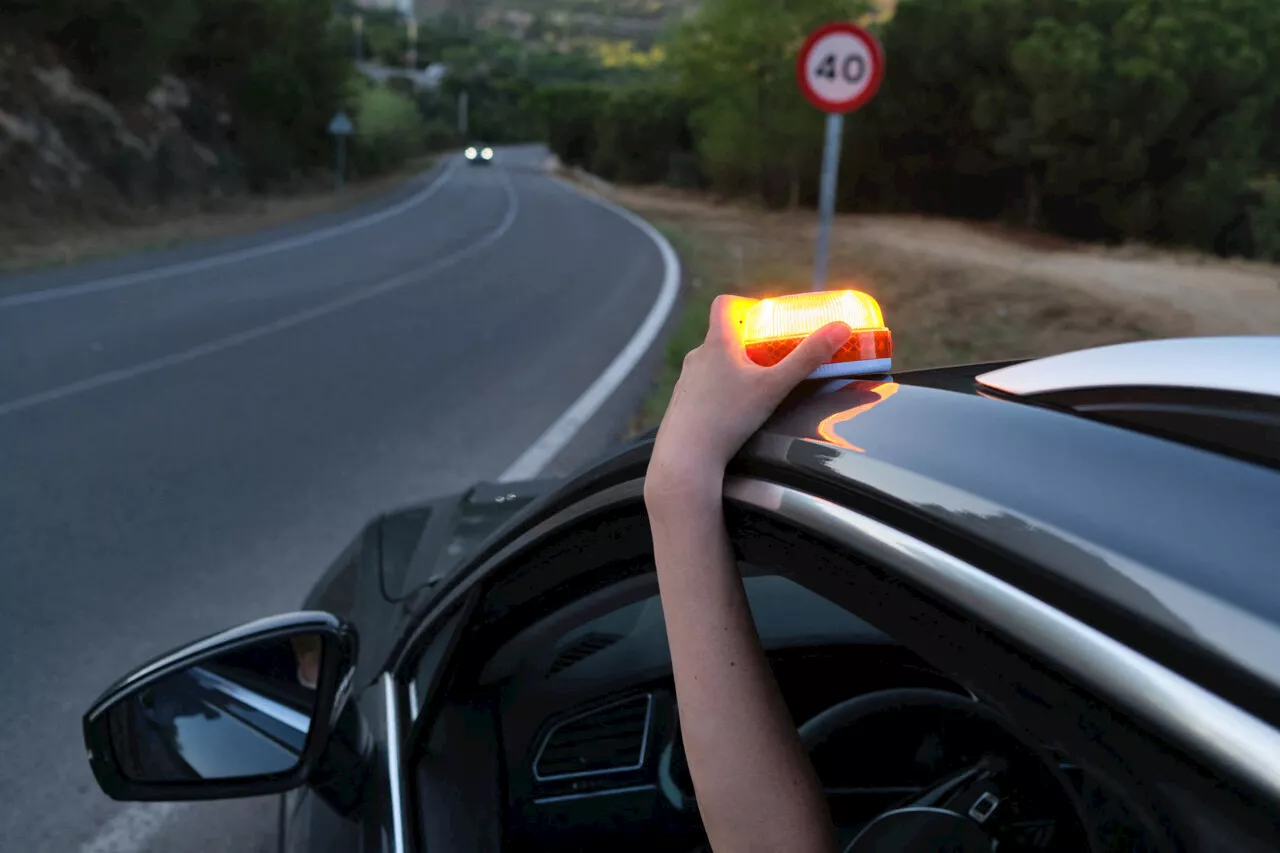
[[188, 438]]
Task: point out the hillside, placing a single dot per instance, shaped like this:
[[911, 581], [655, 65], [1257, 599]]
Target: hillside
[[639, 22], [566, 21]]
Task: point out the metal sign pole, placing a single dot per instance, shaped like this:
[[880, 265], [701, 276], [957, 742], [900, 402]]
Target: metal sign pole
[[342, 161], [462, 114], [340, 127], [827, 196]]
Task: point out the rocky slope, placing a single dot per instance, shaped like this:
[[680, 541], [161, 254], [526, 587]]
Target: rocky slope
[[65, 152]]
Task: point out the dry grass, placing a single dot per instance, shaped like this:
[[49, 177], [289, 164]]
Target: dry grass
[[45, 244], [942, 311]]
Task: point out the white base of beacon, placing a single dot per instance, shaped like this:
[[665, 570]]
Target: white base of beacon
[[852, 368]]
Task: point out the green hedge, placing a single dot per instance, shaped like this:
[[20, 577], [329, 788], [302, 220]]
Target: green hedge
[[1264, 220], [569, 113], [634, 134], [640, 135], [389, 130]]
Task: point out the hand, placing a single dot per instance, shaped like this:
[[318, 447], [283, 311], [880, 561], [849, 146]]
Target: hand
[[722, 398]]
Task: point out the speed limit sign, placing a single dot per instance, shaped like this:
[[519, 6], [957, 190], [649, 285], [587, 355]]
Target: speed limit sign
[[840, 67]]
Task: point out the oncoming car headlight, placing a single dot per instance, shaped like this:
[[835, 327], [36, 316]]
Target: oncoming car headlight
[[470, 153], [487, 153]]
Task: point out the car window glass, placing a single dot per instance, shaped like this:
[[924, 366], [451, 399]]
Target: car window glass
[[786, 613]]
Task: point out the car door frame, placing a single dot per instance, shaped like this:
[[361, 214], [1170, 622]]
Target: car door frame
[[944, 584]]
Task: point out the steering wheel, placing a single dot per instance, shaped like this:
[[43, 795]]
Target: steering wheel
[[968, 811]]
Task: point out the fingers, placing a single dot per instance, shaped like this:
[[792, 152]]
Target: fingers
[[727, 313], [813, 352]]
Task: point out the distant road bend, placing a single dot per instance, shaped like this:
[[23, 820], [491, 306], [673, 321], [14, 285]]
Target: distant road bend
[[188, 437]]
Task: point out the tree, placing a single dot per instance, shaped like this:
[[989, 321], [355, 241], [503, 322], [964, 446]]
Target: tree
[[121, 46], [735, 60], [284, 65]]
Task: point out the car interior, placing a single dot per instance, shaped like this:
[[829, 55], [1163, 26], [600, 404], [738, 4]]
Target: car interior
[[562, 732]]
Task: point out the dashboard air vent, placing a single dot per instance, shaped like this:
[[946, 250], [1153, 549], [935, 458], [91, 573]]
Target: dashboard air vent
[[580, 650], [609, 739]]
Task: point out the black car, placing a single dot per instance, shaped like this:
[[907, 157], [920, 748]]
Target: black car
[[1043, 597], [478, 155]]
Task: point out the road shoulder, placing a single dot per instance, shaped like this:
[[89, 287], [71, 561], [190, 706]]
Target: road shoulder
[[82, 254]]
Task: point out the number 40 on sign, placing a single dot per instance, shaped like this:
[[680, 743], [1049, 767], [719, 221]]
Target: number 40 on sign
[[839, 69]]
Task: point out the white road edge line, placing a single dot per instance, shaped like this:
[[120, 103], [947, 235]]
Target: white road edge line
[[115, 282], [287, 322], [560, 433], [132, 828]]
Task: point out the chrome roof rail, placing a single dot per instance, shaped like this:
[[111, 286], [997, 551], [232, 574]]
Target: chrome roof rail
[[1245, 364]]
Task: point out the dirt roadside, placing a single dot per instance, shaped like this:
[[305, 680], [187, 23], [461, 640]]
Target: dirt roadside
[[1166, 292], [954, 292], [52, 244], [1219, 297]]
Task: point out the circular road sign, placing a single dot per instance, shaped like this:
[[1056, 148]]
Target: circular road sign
[[840, 67]]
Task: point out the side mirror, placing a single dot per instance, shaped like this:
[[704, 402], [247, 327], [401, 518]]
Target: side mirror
[[242, 713]]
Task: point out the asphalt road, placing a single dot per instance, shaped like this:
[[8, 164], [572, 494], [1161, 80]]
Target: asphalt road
[[188, 438]]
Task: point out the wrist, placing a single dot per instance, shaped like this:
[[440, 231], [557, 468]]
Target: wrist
[[676, 487]]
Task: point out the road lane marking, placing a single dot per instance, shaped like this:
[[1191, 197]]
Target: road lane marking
[[560, 433], [116, 282], [131, 829], [282, 324]]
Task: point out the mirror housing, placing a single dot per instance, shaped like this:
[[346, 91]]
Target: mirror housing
[[242, 713]]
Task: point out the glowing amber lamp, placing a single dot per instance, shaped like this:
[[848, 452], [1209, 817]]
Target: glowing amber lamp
[[772, 328]]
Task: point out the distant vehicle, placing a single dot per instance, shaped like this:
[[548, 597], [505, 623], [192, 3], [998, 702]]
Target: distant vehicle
[[478, 155], [1034, 600]]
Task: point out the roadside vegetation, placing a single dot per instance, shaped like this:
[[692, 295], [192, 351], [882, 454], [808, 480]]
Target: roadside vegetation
[[1106, 120]]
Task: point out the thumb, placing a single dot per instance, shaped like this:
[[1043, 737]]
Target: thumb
[[813, 352]]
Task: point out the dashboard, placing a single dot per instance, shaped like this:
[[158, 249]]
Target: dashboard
[[615, 766], [590, 728]]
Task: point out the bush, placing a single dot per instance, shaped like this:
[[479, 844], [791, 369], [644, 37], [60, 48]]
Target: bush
[[641, 133], [284, 64], [389, 130], [438, 135], [1264, 220], [569, 113]]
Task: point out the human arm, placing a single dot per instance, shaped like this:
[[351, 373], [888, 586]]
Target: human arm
[[755, 786]]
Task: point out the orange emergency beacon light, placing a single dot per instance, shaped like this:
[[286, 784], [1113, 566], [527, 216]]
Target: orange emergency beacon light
[[773, 327]]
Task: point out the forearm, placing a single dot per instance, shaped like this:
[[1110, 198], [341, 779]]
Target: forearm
[[755, 786]]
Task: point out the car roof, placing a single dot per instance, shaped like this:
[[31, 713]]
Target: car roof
[[1134, 532], [1205, 518]]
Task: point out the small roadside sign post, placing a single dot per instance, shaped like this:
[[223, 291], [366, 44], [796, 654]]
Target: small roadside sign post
[[840, 68], [340, 127], [411, 54]]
